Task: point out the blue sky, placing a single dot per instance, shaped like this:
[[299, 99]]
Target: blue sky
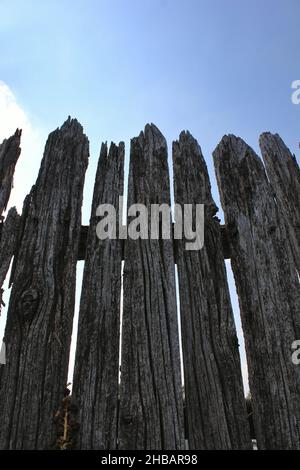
[[210, 66]]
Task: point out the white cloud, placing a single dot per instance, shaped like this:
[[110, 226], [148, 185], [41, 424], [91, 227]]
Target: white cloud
[[13, 116], [11, 113]]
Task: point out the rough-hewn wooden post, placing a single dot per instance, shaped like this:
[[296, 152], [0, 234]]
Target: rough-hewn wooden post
[[40, 314], [96, 375], [9, 153], [151, 411], [268, 292], [215, 404], [284, 174], [8, 239]]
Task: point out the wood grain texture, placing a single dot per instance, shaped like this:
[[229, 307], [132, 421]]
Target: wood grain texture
[[284, 175], [151, 409], [40, 314], [268, 292], [8, 239], [214, 397], [96, 374], [9, 154]]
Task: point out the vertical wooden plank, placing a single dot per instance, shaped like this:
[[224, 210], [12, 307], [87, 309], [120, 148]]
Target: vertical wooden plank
[[284, 175], [9, 154], [40, 314], [151, 410], [8, 239], [215, 404], [96, 374], [268, 292]]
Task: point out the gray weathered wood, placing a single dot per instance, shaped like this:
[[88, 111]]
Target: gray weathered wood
[[96, 374], [268, 291], [8, 239], [40, 314], [214, 396], [9, 153], [284, 174], [151, 410]]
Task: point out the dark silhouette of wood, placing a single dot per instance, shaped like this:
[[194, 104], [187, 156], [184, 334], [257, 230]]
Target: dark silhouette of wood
[[151, 409], [96, 374], [250, 416], [9, 154], [40, 314], [268, 291], [8, 239], [214, 396], [284, 174], [83, 242]]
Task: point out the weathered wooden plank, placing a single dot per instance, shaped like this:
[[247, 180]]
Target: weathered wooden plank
[[9, 154], [268, 291], [40, 314], [284, 175], [214, 397], [96, 374], [8, 239], [151, 410]]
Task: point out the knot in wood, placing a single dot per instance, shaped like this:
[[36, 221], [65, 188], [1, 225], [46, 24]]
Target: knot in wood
[[127, 418], [29, 303], [272, 229], [232, 230]]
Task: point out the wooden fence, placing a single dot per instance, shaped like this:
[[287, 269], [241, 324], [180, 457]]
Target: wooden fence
[[140, 402]]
